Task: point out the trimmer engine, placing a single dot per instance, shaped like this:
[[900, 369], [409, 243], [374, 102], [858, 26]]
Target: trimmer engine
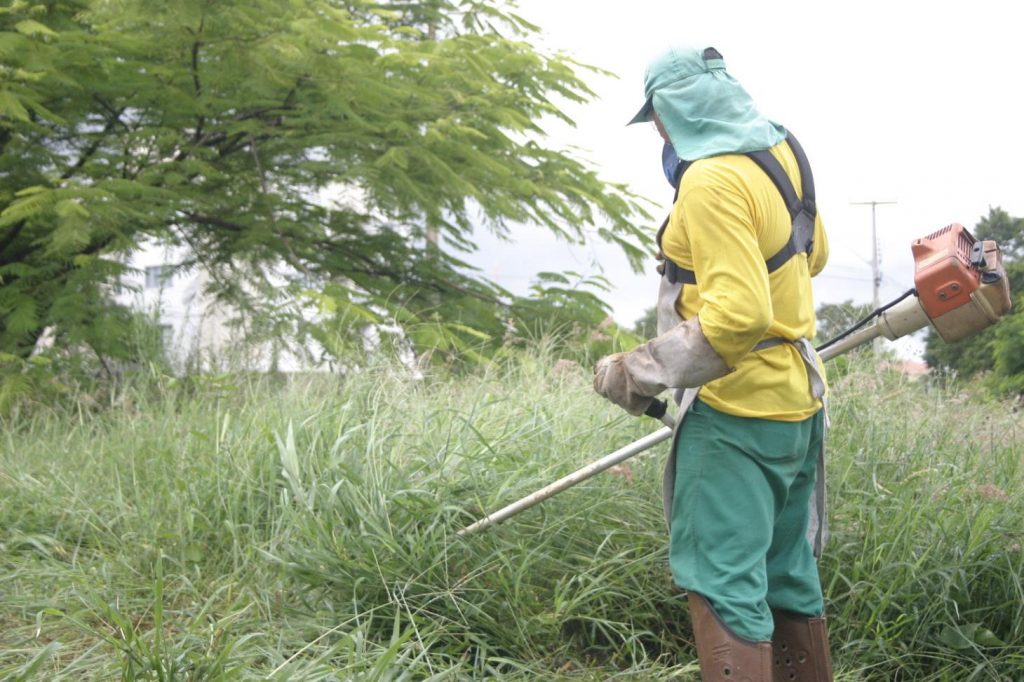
[[960, 282], [960, 288]]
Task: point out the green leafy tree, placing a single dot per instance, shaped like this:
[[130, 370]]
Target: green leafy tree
[[320, 141], [647, 326], [998, 349], [835, 318]]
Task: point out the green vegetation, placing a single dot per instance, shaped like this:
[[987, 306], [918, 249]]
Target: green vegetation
[[226, 528], [234, 527], [307, 155], [835, 318]]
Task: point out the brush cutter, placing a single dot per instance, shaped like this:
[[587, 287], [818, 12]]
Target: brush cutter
[[960, 288]]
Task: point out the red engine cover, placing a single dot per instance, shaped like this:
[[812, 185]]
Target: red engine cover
[[943, 274]]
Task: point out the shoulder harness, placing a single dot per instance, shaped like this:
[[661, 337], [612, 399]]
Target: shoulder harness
[[801, 211]]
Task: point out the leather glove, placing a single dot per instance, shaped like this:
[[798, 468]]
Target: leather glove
[[682, 357], [613, 381]]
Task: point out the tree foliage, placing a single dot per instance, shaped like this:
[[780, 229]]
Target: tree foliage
[[998, 350], [318, 141], [646, 327], [835, 318]]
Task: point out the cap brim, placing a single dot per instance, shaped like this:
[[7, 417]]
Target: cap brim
[[646, 113]]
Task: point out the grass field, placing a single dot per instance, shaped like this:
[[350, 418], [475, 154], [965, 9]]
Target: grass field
[[240, 528]]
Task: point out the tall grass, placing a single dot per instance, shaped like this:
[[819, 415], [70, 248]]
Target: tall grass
[[250, 528]]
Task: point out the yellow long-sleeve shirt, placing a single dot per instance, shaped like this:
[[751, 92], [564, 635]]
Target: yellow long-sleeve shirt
[[727, 220]]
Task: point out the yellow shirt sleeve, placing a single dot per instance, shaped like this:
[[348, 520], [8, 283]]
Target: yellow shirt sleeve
[[732, 278]]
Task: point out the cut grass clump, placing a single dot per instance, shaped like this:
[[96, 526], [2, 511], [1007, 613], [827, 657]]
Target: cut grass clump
[[305, 529]]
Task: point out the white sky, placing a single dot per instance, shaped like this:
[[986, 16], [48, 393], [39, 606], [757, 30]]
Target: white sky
[[918, 103]]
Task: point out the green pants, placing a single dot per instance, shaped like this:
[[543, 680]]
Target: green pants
[[740, 515]]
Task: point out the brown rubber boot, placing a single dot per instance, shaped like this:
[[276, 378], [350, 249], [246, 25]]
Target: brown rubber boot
[[800, 645], [723, 656]]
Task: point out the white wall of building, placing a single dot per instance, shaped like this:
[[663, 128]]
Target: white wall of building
[[199, 332]]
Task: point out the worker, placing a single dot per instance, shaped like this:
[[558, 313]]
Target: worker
[[745, 481]]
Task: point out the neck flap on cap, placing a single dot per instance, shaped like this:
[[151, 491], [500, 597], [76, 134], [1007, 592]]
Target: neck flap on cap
[[704, 110]]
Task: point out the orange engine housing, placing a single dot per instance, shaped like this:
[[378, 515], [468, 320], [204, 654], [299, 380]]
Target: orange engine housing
[[960, 282], [943, 274]]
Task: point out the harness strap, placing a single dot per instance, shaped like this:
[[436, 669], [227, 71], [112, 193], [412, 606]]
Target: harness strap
[[677, 181], [676, 274], [802, 211], [770, 343]]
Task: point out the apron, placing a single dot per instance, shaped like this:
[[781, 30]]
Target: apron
[[668, 317]]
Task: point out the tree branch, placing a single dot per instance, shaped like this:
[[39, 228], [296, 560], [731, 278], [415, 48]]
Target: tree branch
[[200, 119], [114, 118], [197, 255], [215, 221], [88, 152], [9, 238], [373, 269], [112, 112]]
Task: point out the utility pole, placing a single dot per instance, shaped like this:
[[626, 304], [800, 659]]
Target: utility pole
[[876, 261], [876, 258]]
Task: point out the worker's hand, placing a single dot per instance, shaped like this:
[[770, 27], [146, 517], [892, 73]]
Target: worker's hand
[[680, 358], [613, 381]]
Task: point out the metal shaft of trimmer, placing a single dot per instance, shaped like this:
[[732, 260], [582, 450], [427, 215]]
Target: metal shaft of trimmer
[[606, 462]]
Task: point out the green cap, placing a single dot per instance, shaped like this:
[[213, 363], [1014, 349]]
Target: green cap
[[674, 66], [703, 109]]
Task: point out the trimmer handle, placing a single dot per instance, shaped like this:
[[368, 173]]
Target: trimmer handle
[[657, 409]]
